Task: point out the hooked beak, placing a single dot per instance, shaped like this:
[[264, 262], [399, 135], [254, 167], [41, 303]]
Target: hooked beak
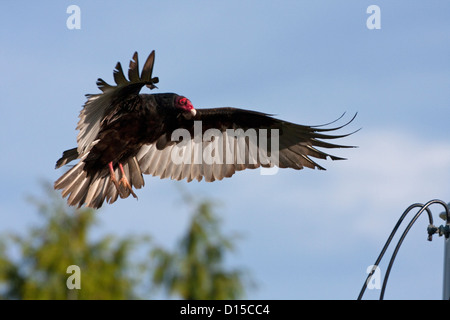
[[189, 114]]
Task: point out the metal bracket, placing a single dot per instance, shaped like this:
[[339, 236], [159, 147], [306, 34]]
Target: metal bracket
[[441, 231]]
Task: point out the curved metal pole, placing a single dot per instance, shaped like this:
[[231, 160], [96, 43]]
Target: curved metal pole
[[415, 205], [391, 262], [442, 230]]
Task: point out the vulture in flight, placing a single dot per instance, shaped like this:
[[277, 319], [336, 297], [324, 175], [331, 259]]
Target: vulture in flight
[[124, 134]]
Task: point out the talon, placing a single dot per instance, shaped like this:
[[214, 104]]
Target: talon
[[124, 182], [122, 186]]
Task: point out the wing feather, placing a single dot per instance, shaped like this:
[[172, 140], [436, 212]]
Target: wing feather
[[297, 147], [98, 106]]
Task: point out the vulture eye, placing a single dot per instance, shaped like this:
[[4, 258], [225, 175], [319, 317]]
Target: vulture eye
[[182, 101]]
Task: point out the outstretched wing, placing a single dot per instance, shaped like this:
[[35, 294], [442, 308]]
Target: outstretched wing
[[244, 139], [99, 105]]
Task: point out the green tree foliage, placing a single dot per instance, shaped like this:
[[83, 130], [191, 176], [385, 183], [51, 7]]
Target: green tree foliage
[[45, 252], [195, 270], [33, 265]]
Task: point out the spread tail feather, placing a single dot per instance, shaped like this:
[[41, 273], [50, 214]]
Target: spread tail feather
[[68, 156], [93, 189]]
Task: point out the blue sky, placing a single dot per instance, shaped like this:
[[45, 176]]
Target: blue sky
[[307, 234]]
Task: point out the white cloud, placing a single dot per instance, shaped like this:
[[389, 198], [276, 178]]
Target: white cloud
[[360, 198], [390, 171]]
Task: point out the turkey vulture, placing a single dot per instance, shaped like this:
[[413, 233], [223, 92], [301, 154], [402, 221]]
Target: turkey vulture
[[124, 134]]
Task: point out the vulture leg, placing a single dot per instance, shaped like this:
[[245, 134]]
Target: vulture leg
[[113, 176], [122, 186], [124, 182]]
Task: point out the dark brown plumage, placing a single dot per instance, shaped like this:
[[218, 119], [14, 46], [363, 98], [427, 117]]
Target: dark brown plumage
[[124, 134]]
